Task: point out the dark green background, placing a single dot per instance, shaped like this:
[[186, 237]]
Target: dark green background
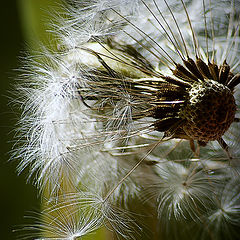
[[16, 197], [24, 24]]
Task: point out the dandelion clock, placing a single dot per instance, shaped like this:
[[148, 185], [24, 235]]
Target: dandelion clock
[[131, 125]]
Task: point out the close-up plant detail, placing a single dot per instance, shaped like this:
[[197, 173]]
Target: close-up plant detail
[[130, 121]]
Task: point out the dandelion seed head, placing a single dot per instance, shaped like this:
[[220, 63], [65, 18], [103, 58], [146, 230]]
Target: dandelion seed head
[[108, 118], [219, 119]]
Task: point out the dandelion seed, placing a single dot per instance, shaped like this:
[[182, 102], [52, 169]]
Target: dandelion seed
[[68, 220], [77, 215], [223, 221]]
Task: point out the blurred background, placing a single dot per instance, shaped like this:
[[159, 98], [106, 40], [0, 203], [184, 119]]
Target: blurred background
[[22, 26]]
